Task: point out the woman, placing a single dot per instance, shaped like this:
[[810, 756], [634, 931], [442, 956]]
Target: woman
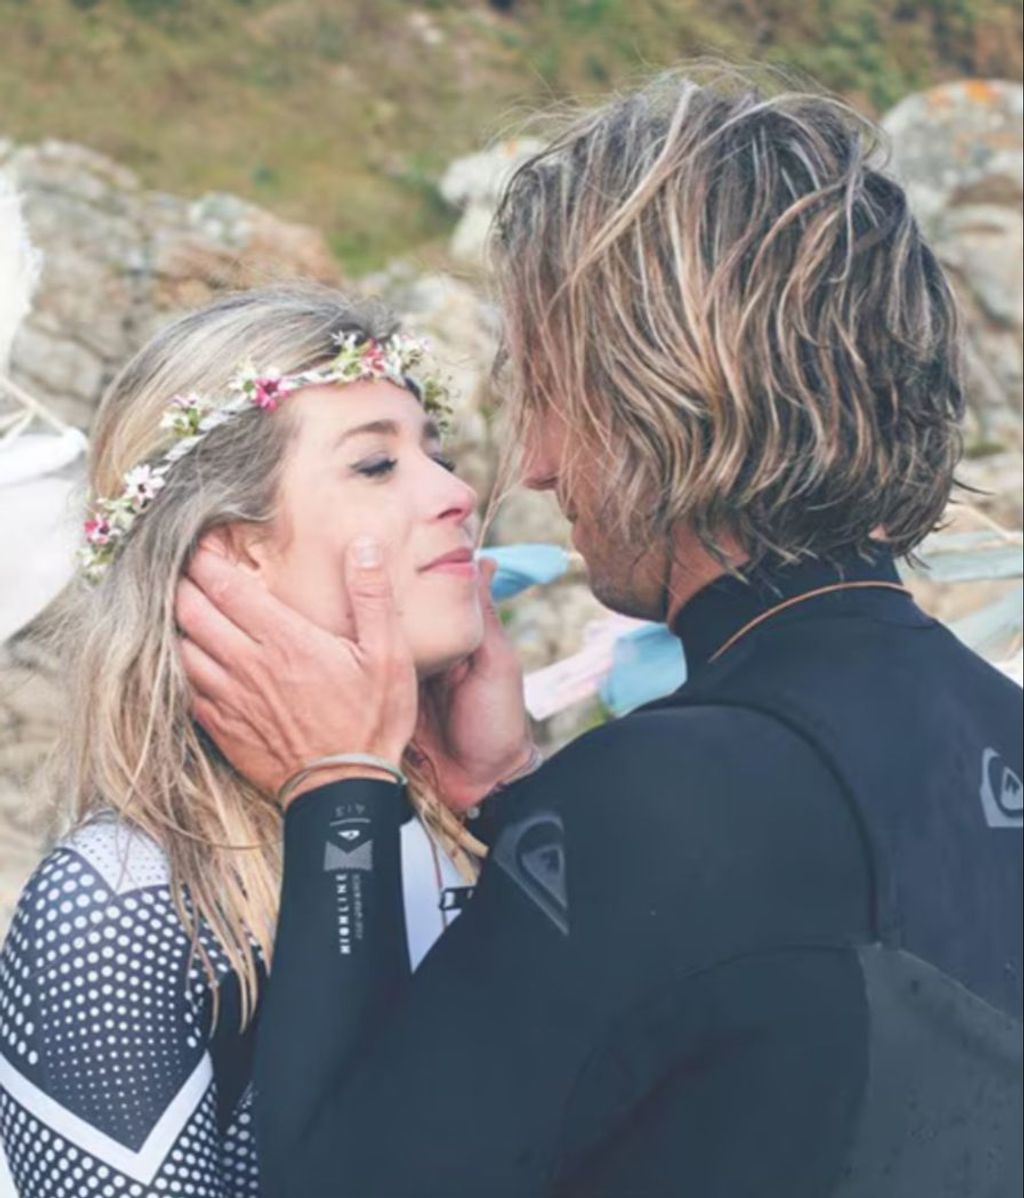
[[133, 968]]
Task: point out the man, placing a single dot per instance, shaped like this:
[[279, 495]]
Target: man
[[762, 936]]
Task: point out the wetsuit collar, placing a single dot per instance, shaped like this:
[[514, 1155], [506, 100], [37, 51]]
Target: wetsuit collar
[[724, 606]]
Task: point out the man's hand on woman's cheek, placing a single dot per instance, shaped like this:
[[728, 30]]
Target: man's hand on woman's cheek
[[275, 691], [472, 720]]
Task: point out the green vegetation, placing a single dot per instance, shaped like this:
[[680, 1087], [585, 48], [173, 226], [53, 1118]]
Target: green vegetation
[[343, 113]]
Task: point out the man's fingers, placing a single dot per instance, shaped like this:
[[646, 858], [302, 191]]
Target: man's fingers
[[206, 625], [488, 567], [239, 596], [369, 591], [496, 651], [205, 674], [206, 713]]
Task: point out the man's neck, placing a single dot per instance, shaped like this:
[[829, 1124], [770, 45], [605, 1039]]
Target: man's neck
[[692, 568]]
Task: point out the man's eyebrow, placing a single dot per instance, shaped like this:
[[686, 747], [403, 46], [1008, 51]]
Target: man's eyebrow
[[388, 428]]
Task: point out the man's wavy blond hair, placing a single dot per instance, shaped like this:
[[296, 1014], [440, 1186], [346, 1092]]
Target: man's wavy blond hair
[[730, 304], [129, 743]]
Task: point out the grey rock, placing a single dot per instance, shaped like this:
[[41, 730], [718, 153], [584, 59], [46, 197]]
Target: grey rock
[[119, 261], [958, 149], [473, 184]]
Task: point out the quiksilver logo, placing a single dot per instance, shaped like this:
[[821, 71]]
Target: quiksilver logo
[[531, 851], [1002, 796]]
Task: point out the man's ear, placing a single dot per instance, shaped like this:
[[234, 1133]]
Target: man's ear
[[243, 544]]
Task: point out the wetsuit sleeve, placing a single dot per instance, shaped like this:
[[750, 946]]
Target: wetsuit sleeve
[[659, 948], [340, 956], [106, 1083]]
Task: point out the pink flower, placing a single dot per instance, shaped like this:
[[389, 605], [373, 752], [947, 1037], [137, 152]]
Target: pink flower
[[268, 391], [98, 531], [374, 357]]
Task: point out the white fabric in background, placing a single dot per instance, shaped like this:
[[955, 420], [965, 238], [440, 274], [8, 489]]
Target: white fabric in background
[[40, 527]]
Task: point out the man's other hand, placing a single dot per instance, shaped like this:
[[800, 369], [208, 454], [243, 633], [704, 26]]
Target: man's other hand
[[472, 722]]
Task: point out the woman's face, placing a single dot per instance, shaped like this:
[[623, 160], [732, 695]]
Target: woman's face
[[366, 460]]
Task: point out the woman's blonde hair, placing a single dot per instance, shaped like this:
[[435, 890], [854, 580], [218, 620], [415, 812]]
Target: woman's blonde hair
[[130, 744], [718, 289]]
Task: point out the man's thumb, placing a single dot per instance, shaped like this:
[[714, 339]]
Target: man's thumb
[[369, 590]]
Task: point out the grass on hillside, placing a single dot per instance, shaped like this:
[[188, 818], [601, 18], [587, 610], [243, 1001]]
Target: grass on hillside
[[343, 113]]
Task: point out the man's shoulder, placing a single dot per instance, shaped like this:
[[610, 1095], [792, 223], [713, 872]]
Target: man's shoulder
[[672, 740], [704, 775], [720, 821]]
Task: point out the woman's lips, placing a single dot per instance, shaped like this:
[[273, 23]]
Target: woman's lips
[[459, 562]]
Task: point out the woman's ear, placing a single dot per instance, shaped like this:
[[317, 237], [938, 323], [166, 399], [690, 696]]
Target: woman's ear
[[243, 544]]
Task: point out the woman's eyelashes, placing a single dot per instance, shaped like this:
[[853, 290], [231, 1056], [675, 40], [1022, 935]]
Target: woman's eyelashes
[[383, 467], [378, 468]]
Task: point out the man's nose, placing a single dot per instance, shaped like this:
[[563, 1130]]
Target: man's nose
[[538, 473]]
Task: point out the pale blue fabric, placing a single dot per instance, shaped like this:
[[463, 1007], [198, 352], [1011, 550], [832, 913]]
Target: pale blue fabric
[[647, 663], [523, 566]]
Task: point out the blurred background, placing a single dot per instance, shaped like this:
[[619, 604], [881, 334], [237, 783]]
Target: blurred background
[[167, 150]]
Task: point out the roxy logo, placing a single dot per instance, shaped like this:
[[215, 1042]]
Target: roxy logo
[[1002, 796]]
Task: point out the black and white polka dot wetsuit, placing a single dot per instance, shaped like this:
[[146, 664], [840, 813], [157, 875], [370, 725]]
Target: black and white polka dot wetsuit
[[114, 1082]]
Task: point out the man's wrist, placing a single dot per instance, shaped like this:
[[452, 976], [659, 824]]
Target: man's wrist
[[530, 759], [338, 767], [338, 773]]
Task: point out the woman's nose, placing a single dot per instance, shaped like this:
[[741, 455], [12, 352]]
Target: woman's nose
[[456, 499]]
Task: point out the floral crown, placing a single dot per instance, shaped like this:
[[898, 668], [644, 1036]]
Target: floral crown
[[190, 418]]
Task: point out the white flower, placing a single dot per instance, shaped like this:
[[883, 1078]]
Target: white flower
[[142, 485], [244, 379], [183, 414]]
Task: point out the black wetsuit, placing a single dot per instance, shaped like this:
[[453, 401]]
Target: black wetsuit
[[762, 937]]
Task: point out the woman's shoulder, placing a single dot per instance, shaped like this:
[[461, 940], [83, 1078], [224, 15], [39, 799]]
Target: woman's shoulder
[[103, 895], [104, 857], [86, 870], [123, 857], [106, 1040], [102, 872]]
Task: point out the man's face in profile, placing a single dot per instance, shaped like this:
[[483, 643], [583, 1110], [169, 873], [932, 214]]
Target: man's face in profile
[[623, 576]]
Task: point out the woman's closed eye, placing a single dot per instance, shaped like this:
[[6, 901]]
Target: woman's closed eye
[[383, 467], [375, 467]]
